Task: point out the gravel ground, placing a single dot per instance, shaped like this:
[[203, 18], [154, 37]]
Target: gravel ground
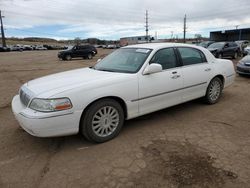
[[189, 145]]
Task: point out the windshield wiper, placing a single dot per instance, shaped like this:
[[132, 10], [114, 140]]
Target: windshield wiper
[[107, 70]]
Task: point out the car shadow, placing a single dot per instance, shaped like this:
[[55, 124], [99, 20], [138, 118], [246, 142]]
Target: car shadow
[[79, 142], [173, 111]]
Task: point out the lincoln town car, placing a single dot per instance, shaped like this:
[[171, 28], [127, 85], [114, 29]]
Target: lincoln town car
[[130, 82]]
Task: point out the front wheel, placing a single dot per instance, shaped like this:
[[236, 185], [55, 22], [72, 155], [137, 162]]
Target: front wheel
[[102, 121], [90, 56], [214, 91], [68, 57]]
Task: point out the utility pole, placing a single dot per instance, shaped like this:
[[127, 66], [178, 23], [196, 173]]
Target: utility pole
[[185, 28], [147, 37], [2, 30]]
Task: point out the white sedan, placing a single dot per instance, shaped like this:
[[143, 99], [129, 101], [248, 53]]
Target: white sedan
[[130, 82]]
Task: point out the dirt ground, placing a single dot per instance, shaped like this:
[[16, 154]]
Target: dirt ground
[[189, 145]]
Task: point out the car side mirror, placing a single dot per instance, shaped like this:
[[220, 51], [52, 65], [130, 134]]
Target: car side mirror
[[152, 68]]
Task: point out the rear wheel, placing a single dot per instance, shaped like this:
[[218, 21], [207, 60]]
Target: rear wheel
[[102, 121], [214, 91]]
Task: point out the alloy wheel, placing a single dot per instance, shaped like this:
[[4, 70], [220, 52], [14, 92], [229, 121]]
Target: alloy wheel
[[214, 90], [105, 121]]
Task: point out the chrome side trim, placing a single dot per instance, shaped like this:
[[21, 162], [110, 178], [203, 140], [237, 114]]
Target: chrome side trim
[[163, 93], [230, 75]]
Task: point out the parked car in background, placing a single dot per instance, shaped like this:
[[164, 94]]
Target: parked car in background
[[205, 44], [4, 49], [27, 47], [243, 67], [246, 51], [41, 48], [84, 51], [242, 44], [224, 49], [130, 82], [17, 47], [111, 46]]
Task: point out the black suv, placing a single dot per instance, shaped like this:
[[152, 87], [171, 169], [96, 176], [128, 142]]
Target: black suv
[[84, 51], [224, 49]]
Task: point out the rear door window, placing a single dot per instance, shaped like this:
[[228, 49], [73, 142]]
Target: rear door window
[[191, 56]]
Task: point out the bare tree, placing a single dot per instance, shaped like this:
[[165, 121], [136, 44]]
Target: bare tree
[[198, 37]]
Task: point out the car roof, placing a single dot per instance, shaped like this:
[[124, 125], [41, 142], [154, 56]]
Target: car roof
[[156, 46]]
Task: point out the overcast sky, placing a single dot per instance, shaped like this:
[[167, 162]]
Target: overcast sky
[[112, 19]]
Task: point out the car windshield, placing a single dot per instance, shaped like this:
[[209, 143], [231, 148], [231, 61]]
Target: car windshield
[[69, 47], [203, 44], [217, 45], [126, 60]]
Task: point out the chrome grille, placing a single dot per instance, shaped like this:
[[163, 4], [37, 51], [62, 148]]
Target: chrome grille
[[24, 97]]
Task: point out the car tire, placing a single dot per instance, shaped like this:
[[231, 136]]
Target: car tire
[[214, 91], [102, 121], [68, 57], [90, 56], [235, 56]]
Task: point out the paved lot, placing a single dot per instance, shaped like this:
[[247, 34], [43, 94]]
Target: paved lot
[[189, 145]]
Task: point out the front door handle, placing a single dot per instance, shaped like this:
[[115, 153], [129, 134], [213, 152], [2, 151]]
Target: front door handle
[[207, 69], [175, 76]]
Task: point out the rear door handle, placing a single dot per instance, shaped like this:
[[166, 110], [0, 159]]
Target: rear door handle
[[207, 69], [175, 76]]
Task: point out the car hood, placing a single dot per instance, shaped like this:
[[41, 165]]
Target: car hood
[[212, 49], [63, 81], [66, 50]]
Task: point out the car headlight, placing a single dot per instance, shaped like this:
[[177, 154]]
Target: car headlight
[[50, 105]]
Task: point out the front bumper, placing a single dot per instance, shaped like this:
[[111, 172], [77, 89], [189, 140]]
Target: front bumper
[[241, 69], [60, 55], [45, 124]]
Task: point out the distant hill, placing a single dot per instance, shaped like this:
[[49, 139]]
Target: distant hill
[[36, 39], [32, 39]]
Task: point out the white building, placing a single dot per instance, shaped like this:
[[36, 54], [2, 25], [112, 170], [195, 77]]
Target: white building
[[133, 40]]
